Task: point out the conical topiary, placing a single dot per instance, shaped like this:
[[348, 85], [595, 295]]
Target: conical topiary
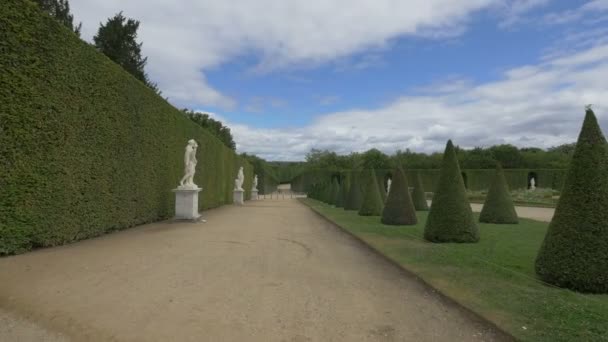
[[574, 253], [372, 201], [338, 198], [333, 192], [344, 191], [418, 195], [382, 189], [326, 195], [354, 199], [399, 209], [498, 207], [450, 218]]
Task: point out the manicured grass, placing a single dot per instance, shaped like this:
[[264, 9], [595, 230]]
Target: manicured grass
[[494, 277]]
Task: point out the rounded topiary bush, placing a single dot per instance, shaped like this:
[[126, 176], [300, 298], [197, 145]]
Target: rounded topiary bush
[[574, 253], [418, 196], [354, 198], [450, 218], [498, 207], [372, 201], [399, 209]]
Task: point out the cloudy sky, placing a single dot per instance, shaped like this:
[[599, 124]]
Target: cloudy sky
[[349, 75]]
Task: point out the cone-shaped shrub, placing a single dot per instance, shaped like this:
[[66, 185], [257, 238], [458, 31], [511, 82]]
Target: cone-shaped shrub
[[333, 192], [498, 207], [344, 192], [382, 189], [354, 199], [450, 218], [326, 194], [418, 196], [399, 209], [574, 253], [372, 201], [338, 196]]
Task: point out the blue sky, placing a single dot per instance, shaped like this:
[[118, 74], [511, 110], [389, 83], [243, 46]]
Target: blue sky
[[288, 76]]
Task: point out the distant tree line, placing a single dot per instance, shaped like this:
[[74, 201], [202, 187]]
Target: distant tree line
[[509, 156], [214, 126]]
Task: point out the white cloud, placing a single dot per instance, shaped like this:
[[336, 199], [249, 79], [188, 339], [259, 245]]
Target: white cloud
[[534, 105], [186, 38]]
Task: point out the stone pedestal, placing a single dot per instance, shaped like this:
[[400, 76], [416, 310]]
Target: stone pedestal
[[186, 203], [238, 197], [254, 194]]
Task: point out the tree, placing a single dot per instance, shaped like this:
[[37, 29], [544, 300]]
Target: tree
[[117, 40], [399, 209], [450, 218], [215, 127], [375, 159], [60, 10], [574, 253], [355, 198], [498, 207], [372, 202], [418, 195]]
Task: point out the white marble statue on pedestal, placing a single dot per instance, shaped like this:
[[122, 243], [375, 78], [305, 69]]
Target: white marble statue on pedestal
[[187, 182], [255, 183], [532, 184], [240, 179], [388, 185], [186, 194]]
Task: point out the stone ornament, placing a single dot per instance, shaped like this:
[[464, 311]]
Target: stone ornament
[[388, 185], [255, 183], [240, 179], [187, 182], [532, 184]]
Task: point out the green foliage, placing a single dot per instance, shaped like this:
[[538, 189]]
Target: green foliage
[[498, 207], [60, 10], [355, 197], [399, 209], [372, 202], [374, 159], [574, 253], [85, 148], [339, 198], [382, 189], [334, 188], [418, 195], [215, 127], [450, 218], [117, 39], [267, 181]]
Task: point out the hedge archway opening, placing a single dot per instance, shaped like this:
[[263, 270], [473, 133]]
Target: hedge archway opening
[[530, 176]]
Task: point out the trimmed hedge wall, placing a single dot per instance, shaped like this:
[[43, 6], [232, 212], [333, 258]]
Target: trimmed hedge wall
[[85, 148]]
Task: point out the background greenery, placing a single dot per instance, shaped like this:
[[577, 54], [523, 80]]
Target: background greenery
[[85, 148]]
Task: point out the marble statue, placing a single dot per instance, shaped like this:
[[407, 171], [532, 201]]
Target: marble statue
[[187, 182], [255, 183], [388, 186], [532, 183], [240, 179]]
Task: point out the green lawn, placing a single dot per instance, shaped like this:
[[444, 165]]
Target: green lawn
[[494, 277]]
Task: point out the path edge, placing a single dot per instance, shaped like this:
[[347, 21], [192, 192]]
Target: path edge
[[470, 313]]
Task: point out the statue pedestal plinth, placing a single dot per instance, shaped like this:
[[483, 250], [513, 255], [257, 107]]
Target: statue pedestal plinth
[[186, 203], [254, 194], [238, 196]]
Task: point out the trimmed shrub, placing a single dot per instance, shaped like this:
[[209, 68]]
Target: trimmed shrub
[[498, 207], [344, 191], [574, 253], [372, 201], [333, 194], [85, 148], [399, 209], [339, 199], [355, 197], [450, 218], [382, 189], [418, 195]]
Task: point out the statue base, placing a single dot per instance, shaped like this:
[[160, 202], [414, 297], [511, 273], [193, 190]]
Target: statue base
[[186, 203], [238, 197], [254, 194]]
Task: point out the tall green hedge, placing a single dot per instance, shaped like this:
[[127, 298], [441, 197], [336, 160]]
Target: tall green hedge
[[355, 196], [498, 207], [574, 253], [450, 218], [85, 148]]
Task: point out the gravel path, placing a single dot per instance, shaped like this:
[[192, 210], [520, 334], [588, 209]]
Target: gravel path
[[269, 271]]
